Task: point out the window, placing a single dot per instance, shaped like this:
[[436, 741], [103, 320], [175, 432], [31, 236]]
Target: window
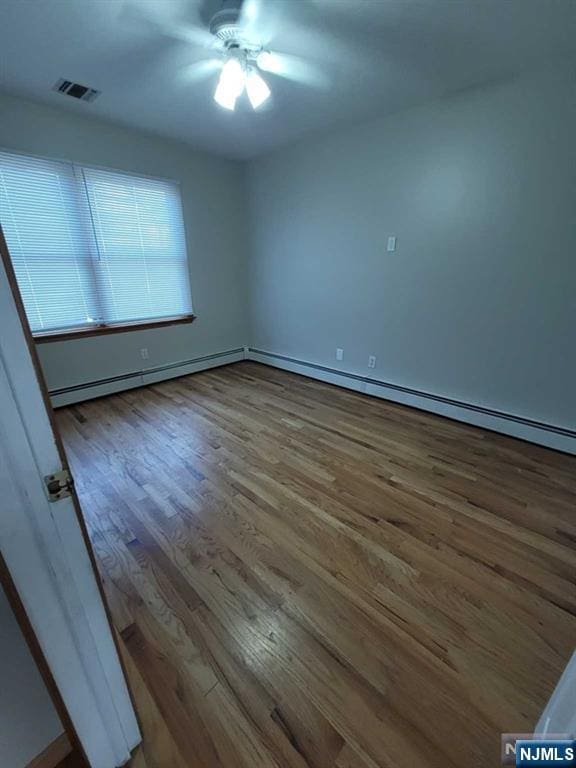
[[93, 249]]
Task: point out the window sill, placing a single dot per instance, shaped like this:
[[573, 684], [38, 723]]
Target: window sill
[[102, 330]]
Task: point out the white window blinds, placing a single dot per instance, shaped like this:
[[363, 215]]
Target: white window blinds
[[92, 247], [141, 246], [47, 229]]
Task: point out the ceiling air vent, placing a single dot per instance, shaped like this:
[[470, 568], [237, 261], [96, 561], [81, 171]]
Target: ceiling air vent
[[75, 90]]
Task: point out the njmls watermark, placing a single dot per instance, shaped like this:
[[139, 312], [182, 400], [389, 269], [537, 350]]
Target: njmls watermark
[[529, 749]]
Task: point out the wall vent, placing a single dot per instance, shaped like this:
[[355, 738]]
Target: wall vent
[[75, 90]]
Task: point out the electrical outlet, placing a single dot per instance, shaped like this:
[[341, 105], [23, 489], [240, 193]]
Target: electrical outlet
[[372, 361], [391, 247], [144, 353], [339, 354]]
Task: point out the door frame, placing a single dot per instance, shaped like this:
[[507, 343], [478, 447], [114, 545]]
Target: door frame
[[70, 633]]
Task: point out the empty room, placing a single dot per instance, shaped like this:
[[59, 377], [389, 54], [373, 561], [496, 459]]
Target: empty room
[[287, 383]]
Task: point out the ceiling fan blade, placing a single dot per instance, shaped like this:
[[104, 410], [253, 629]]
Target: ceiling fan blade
[[200, 70], [293, 68], [190, 34], [152, 17], [250, 14], [259, 20]]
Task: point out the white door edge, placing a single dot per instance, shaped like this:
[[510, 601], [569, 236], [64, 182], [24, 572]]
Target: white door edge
[[45, 552]]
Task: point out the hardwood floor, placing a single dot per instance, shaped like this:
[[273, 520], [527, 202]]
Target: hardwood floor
[[303, 576]]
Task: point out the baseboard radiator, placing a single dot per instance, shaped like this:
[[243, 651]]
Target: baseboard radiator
[[131, 380], [549, 435]]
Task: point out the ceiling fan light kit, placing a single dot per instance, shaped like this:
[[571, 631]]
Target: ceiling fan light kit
[[256, 88], [238, 73], [231, 83]]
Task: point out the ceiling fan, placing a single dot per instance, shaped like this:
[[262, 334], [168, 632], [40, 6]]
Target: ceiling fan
[[242, 56], [236, 38]]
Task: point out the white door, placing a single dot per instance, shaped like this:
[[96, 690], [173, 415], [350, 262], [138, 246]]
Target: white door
[[47, 552]]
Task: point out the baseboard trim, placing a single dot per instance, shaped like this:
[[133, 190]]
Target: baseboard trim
[[91, 389], [548, 435], [54, 753]]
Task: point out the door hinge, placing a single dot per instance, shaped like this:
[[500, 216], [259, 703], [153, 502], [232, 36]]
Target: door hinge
[[59, 486]]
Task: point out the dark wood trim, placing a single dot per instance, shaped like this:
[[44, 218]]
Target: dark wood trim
[[51, 757], [101, 330], [31, 635]]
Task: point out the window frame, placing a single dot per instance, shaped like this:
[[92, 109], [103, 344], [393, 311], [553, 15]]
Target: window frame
[[66, 334], [103, 328]]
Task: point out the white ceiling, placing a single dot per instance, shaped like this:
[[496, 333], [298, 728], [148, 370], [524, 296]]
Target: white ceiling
[[378, 56]]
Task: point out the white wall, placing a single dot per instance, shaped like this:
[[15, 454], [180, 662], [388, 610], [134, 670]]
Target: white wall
[[478, 303], [213, 203], [28, 720]]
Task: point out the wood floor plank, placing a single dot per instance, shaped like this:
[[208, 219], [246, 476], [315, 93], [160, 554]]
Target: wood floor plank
[[158, 748], [349, 759], [172, 698], [302, 576]]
